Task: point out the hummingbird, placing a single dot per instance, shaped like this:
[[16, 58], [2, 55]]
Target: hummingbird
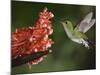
[[77, 34]]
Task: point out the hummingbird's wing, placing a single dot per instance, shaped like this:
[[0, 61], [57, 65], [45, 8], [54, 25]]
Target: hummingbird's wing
[[86, 23]]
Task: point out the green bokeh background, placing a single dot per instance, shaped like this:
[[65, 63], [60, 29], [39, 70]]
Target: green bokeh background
[[66, 55]]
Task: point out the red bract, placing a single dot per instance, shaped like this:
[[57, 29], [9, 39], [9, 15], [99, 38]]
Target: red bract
[[33, 39]]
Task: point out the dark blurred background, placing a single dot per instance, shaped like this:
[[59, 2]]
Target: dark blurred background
[[66, 55]]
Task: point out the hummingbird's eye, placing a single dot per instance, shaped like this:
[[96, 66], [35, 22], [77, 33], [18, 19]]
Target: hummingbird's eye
[[66, 22]]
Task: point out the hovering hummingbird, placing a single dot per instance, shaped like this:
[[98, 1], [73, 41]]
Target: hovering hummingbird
[[77, 34]]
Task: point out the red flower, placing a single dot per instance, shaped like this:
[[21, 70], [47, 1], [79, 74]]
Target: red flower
[[33, 39]]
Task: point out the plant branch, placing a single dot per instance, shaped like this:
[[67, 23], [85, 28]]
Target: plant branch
[[22, 60]]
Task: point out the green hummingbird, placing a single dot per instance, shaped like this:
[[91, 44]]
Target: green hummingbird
[[77, 34]]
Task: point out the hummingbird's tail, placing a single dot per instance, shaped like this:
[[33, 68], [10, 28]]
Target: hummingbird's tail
[[91, 44]]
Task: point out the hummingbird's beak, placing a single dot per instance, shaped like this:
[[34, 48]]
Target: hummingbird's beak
[[62, 23]]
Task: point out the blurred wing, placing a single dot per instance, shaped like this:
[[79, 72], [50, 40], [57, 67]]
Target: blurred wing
[[86, 23], [89, 25]]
